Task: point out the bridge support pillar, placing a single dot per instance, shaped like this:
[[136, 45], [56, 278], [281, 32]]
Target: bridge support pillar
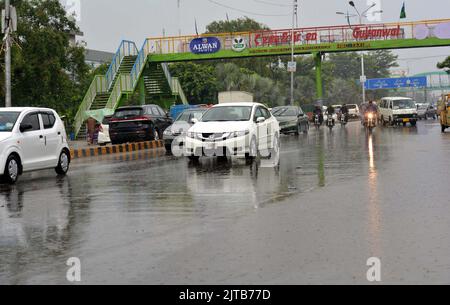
[[142, 91], [319, 85]]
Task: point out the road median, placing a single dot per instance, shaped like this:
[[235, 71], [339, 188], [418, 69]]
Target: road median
[[78, 153]]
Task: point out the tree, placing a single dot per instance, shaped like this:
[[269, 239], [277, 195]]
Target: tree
[[198, 82], [46, 69], [234, 26], [445, 65]]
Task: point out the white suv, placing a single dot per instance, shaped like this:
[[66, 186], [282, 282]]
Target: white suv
[[31, 139], [398, 110], [234, 129]]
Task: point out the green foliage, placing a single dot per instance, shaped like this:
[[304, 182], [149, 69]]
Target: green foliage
[[198, 81], [46, 70], [234, 26], [445, 64]]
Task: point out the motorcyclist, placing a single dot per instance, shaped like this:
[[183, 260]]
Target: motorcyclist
[[345, 112], [331, 112], [372, 107], [318, 111]]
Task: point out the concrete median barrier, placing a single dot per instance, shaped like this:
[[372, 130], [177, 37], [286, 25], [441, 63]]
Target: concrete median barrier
[[114, 149]]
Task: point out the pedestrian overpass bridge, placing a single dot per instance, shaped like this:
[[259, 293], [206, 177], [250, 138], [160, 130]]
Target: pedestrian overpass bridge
[[144, 74]]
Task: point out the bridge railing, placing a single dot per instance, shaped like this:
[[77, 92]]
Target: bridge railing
[[122, 85], [126, 48], [98, 85], [302, 36]]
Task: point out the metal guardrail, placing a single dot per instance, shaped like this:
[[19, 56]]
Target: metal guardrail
[[98, 85], [126, 48], [122, 85]]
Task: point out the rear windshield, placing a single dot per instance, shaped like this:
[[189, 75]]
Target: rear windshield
[[351, 106], [8, 120], [128, 113]]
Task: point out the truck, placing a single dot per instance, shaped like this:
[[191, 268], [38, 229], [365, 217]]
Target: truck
[[235, 97]]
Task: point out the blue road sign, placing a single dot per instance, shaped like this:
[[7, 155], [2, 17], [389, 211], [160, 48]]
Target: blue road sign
[[393, 83]]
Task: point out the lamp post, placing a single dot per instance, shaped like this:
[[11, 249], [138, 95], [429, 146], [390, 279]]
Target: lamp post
[[361, 16], [7, 54], [294, 13]]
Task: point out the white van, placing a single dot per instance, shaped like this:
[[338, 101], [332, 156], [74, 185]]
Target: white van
[[398, 110]]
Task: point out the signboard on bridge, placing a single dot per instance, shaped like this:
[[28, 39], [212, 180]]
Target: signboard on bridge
[[393, 83]]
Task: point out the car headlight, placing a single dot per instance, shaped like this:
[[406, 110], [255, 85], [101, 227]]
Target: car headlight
[[168, 132], [194, 135]]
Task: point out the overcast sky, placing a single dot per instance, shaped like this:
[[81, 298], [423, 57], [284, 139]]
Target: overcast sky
[[106, 22]]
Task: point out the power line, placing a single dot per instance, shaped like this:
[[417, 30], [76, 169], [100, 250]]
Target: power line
[[247, 12], [273, 3]]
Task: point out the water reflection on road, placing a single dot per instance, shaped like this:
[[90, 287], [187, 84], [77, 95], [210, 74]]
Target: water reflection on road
[[113, 202]]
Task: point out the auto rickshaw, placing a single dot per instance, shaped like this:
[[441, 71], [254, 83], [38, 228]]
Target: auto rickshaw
[[444, 111]]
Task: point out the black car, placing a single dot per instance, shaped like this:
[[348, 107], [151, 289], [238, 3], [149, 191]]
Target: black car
[[138, 123], [292, 119]]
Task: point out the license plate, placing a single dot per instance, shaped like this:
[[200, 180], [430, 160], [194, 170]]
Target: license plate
[[405, 120]]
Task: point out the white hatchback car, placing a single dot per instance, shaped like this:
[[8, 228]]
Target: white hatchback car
[[234, 129], [31, 139]]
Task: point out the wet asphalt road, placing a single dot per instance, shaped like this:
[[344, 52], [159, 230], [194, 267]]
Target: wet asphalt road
[[336, 200]]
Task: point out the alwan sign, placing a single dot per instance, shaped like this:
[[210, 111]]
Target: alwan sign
[[205, 45]]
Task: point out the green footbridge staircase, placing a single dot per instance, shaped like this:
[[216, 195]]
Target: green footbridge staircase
[[128, 75]]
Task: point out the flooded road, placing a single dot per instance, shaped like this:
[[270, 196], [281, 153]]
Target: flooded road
[[335, 200]]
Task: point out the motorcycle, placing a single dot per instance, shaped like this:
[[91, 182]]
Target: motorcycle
[[317, 121], [330, 121], [370, 121], [343, 119]]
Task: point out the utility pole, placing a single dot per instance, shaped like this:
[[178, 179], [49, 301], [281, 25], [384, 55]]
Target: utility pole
[[7, 54], [292, 65]]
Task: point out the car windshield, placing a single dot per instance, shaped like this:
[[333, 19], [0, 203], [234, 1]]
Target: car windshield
[[189, 115], [8, 120], [404, 104], [128, 113], [288, 111], [227, 114]]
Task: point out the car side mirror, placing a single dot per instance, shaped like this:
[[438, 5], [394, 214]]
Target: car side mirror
[[301, 115], [24, 127], [260, 120], [194, 121]]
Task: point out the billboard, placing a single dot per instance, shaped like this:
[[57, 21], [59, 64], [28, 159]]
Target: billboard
[[394, 83]]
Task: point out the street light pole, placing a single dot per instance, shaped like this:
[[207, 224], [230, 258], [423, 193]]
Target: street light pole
[[7, 55], [294, 9]]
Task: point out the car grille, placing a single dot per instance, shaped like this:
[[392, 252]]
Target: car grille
[[405, 116], [212, 136]]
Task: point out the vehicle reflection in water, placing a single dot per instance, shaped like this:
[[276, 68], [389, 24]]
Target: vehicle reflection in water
[[374, 208], [35, 227]]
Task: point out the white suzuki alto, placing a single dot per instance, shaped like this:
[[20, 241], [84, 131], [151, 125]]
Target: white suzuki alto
[[31, 139], [234, 129]]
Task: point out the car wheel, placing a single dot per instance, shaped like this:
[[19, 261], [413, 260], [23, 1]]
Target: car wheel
[[194, 158], [12, 169], [443, 128], [413, 124], [306, 130], [299, 129], [168, 148], [252, 154], [63, 163]]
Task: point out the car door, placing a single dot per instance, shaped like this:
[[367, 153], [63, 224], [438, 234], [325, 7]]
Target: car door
[[32, 143], [270, 121], [261, 128], [167, 119], [158, 119], [52, 138]]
